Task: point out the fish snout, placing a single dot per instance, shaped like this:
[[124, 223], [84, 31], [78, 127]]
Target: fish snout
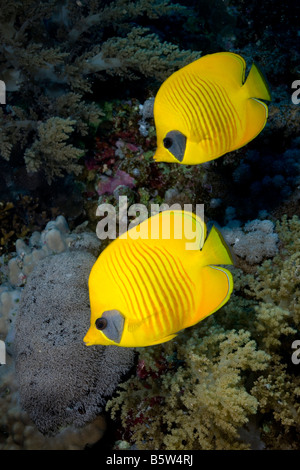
[[159, 155], [88, 339], [162, 155]]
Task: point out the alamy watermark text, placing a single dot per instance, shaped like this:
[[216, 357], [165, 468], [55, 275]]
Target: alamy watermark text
[[2, 353], [114, 224], [2, 92], [296, 93]]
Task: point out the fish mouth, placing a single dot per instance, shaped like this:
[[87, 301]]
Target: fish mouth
[[87, 341], [163, 155], [159, 155]]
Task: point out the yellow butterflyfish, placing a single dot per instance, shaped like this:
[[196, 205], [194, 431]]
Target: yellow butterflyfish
[[206, 109], [157, 279]]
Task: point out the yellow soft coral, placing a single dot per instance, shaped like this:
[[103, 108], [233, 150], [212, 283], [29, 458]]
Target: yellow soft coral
[[201, 402]]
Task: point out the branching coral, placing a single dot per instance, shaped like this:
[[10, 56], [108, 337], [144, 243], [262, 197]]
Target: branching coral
[[51, 151], [199, 385], [44, 403], [15, 128], [141, 52], [53, 53], [277, 288]]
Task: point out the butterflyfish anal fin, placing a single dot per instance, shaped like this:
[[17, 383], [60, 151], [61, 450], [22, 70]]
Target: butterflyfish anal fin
[[163, 340]]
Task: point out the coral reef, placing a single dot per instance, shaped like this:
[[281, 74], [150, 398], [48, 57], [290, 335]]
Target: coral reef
[[123, 165], [52, 320], [266, 181], [50, 150], [18, 432], [47, 348], [54, 54], [253, 242], [19, 219], [199, 386], [229, 382]]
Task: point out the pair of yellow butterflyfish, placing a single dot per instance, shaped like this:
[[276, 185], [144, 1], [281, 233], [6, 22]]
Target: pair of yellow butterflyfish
[[145, 290]]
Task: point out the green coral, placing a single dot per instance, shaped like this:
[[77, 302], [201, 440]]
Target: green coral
[[56, 53], [142, 52], [51, 150], [229, 381], [277, 287]]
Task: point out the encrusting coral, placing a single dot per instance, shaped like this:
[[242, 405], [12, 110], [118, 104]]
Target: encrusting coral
[[52, 319], [43, 325]]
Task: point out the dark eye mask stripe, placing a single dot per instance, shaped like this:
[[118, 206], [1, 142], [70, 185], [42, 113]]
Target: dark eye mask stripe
[[115, 325]]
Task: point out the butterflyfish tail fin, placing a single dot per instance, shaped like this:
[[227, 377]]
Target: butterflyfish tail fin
[[256, 84], [215, 250], [256, 89], [218, 287], [257, 114]]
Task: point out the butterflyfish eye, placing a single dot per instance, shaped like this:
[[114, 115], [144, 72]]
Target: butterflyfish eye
[[168, 142], [175, 143], [101, 323]]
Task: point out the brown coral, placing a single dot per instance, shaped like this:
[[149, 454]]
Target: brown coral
[[55, 79], [51, 150]]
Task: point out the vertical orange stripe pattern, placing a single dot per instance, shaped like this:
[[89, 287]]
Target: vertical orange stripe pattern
[[154, 285]]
